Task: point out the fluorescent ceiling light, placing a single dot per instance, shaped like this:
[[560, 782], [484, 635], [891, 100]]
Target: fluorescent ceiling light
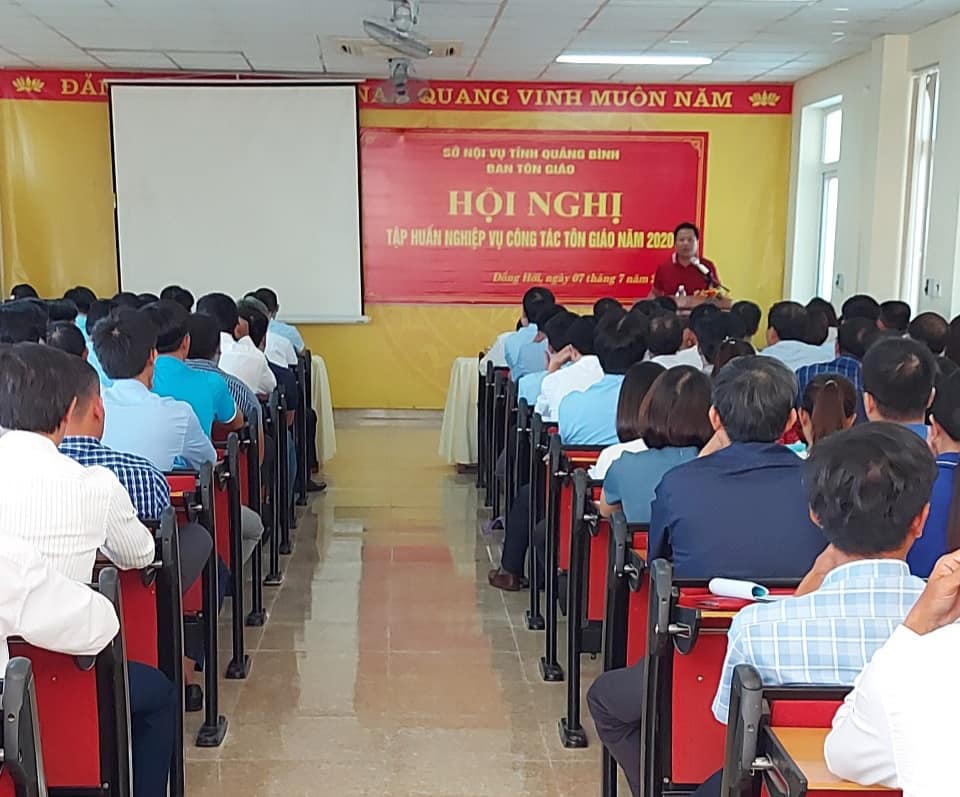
[[634, 60]]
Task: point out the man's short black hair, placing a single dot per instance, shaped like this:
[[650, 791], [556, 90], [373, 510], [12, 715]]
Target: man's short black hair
[[754, 397], [700, 312], [124, 342], [895, 315], [204, 336], [170, 320], [714, 328], [856, 336], [667, 303], [867, 485], [606, 305], [816, 304], [539, 311], [99, 309], [932, 329], [750, 314], [82, 297], [174, 293], [269, 298], [581, 334], [687, 225], [257, 322], [61, 310], [24, 291], [621, 342], [126, 299], [899, 373], [222, 308], [22, 321], [36, 388], [860, 306], [665, 335], [789, 320], [548, 313], [147, 298], [534, 299], [557, 329], [66, 336]]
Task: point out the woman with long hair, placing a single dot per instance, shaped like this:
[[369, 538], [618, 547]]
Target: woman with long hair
[[828, 405], [674, 425]]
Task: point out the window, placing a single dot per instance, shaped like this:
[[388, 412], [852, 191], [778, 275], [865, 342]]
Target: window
[[923, 120], [831, 133]]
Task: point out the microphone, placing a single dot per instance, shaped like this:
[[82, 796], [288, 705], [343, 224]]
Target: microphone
[[712, 281]]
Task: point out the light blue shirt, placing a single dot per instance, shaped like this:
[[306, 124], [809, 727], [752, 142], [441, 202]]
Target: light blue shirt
[[93, 362], [81, 322], [162, 430], [287, 331], [529, 387], [589, 418], [206, 392], [632, 480], [795, 354], [824, 638], [511, 346]]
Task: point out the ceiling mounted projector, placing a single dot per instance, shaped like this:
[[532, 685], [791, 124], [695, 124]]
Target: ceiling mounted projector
[[397, 33]]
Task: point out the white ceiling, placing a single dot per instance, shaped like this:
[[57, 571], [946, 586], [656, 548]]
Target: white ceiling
[[766, 40]]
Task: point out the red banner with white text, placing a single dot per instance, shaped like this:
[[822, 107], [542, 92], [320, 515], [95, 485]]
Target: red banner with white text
[[479, 216]]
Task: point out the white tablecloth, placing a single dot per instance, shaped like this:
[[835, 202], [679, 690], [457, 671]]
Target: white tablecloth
[[458, 435], [323, 406]]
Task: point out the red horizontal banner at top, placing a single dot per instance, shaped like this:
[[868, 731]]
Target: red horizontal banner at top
[[751, 98]]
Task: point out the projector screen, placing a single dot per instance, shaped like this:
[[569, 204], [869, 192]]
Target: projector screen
[[235, 187]]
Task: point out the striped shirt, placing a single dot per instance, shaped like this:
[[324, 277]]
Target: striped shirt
[[824, 638], [66, 511], [145, 484], [845, 365], [246, 400]]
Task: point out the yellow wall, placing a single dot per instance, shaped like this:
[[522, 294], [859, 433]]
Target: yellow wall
[[56, 217]]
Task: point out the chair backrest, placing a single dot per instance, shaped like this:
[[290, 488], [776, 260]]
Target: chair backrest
[[763, 724], [192, 498], [687, 643], [565, 460], [21, 767], [226, 500], [83, 710]]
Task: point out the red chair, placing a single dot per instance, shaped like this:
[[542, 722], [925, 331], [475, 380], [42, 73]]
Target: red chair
[[83, 711], [687, 641], [768, 727], [192, 497], [625, 612], [153, 623], [561, 462], [21, 762]]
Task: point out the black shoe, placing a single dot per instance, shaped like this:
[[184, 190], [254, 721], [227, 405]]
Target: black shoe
[[193, 698], [315, 487]]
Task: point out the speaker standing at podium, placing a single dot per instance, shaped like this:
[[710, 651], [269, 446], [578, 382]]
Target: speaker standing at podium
[[685, 268]]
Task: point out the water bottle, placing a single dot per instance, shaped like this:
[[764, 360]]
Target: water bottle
[[681, 291]]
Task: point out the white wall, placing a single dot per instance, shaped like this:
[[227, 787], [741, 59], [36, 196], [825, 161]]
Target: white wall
[[875, 87]]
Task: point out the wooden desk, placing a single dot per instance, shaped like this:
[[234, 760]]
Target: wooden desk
[[805, 747]]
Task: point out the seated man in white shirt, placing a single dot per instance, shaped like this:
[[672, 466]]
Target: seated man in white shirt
[[68, 512], [788, 330], [575, 367], [279, 350], [665, 343], [897, 727], [238, 354], [54, 508]]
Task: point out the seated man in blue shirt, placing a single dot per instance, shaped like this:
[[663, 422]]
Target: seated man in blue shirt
[[739, 512], [589, 417], [272, 302], [854, 337], [147, 487], [557, 331], [162, 430], [869, 489], [206, 393], [941, 534], [522, 352]]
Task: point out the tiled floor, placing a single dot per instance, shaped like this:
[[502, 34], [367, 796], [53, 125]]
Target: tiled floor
[[388, 665]]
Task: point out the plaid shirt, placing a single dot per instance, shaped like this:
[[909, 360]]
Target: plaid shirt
[[825, 638], [845, 365], [246, 400], [146, 485]]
